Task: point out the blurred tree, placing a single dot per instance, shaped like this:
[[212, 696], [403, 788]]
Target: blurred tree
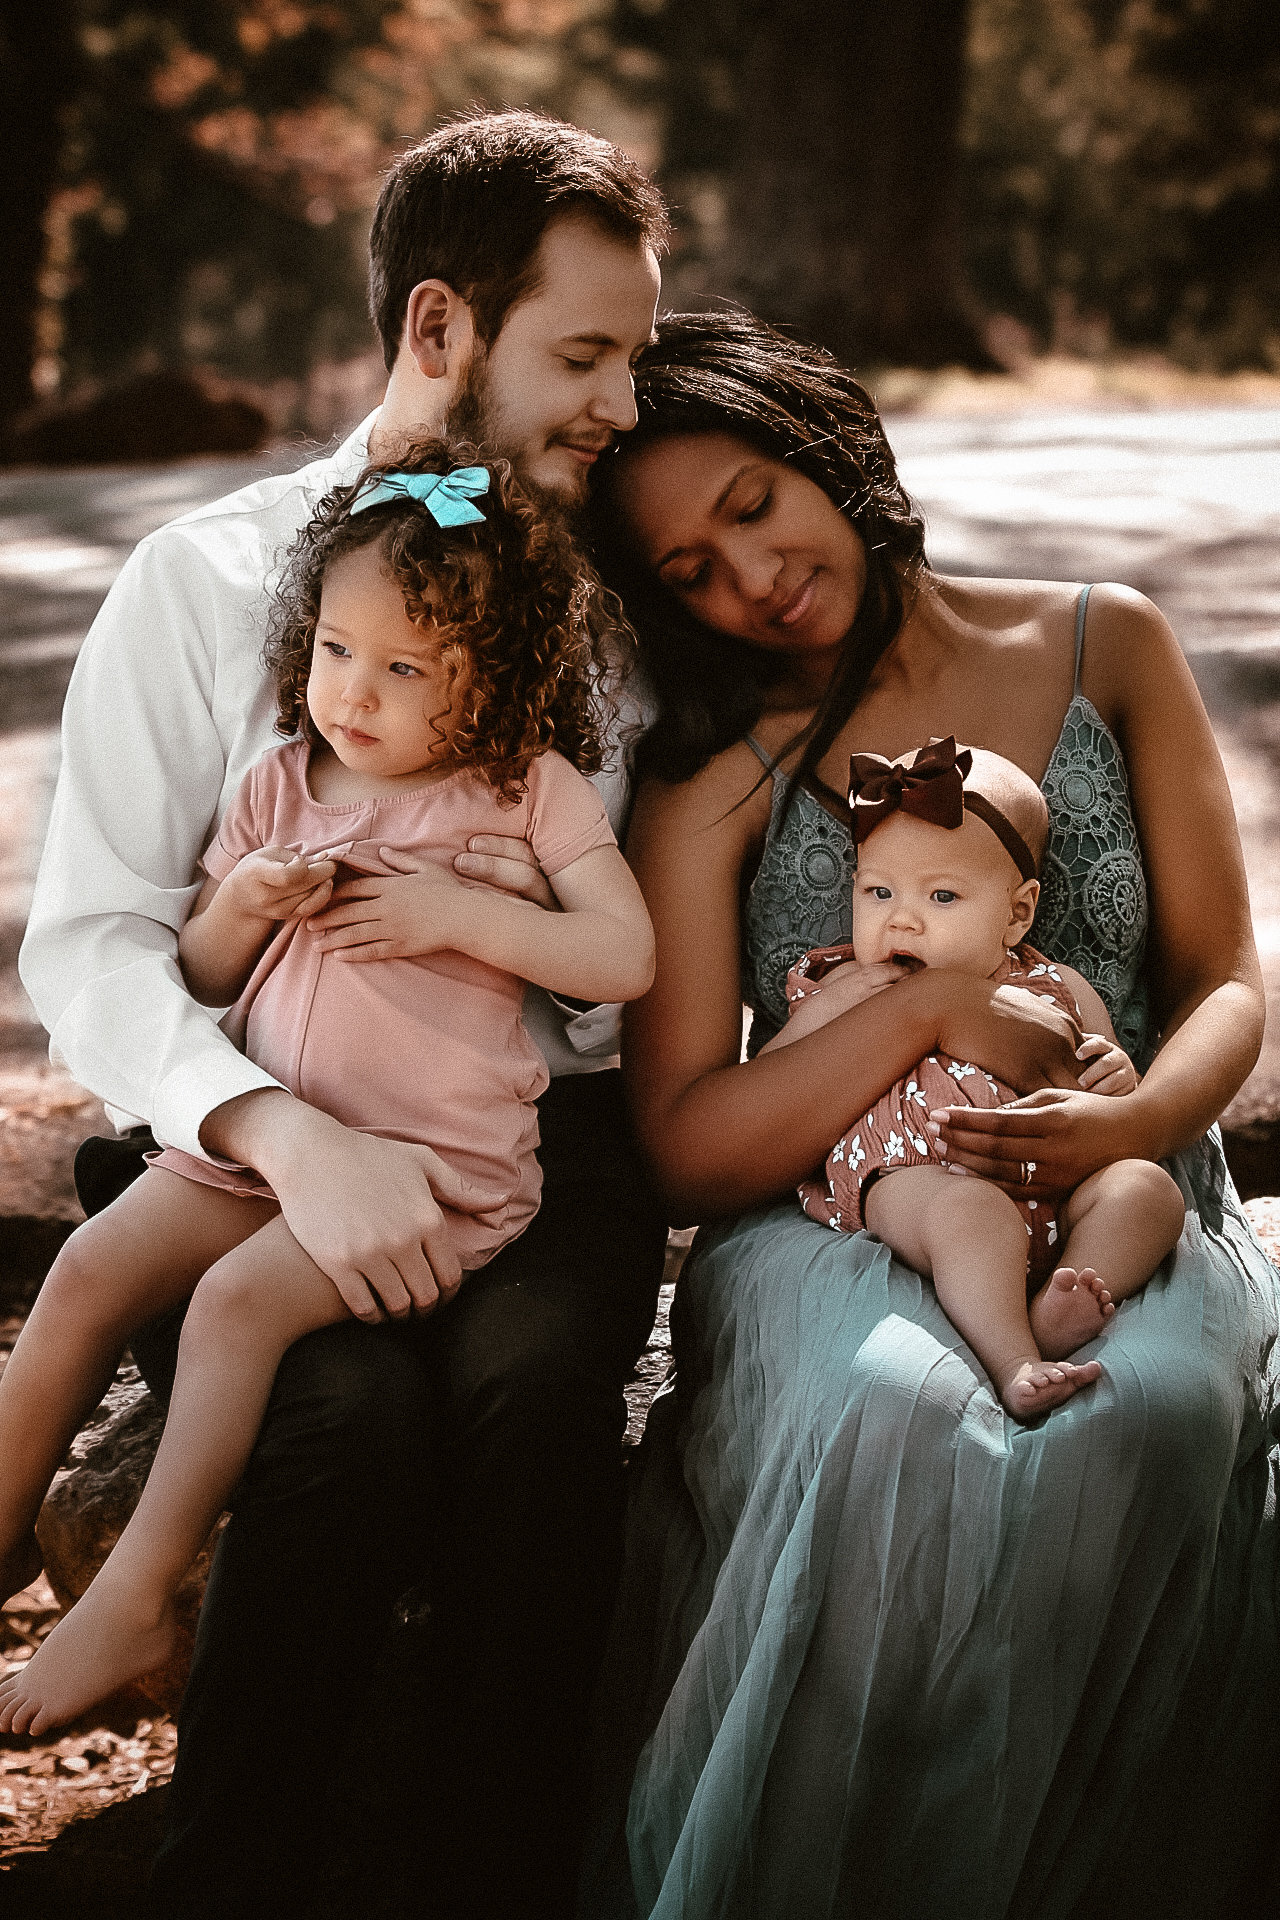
[[39, 77], [819, 140], [1124, 173]]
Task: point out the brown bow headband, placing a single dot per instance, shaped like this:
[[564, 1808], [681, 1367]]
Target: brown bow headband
[[932, 788]]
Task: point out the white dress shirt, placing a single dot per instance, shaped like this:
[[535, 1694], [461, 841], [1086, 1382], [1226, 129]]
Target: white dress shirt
[[168, 707]]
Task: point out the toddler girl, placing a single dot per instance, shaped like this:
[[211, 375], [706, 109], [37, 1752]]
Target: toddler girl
[[432, 650], [948, 848]]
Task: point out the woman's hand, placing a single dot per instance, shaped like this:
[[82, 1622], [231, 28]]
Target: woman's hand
[[1040, 1147]]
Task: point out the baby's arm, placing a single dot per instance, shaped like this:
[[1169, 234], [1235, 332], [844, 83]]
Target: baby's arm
[[845, 986], [233, 919], [1109, 1069]]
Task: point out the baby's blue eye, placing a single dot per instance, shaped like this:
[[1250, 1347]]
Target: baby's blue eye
[[403, 667]]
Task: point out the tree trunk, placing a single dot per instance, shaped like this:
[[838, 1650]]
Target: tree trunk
[[40, 65], [845, 211]]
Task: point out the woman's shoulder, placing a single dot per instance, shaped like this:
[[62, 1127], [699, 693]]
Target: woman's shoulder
[[730, 797]]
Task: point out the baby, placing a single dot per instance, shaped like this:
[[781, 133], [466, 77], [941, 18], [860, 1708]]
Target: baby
[[949, 844]]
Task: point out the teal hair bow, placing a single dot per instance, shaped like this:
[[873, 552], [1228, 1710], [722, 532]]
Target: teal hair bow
[[446, 496]]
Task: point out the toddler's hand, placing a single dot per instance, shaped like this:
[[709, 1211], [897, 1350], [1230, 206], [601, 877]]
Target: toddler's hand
[[1111, 1070], [277, 884], [391, 916]]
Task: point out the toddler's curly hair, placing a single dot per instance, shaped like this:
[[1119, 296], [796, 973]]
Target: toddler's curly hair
[[512, 595]]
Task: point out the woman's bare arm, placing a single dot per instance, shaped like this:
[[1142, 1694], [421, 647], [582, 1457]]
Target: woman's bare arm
[[1203, 967], [723, 1135]]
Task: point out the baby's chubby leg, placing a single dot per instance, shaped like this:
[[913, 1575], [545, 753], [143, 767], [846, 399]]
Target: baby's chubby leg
[[247, 1310], [969, 1238], [140, 1256], [1120, 1223]]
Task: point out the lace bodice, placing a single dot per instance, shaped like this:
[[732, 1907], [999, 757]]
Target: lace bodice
[[1093, 903]]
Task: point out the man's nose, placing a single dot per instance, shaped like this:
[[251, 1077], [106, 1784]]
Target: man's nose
[[614, 402]]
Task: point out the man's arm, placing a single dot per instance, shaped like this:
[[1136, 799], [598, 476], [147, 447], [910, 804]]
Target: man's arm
[[145, 766]]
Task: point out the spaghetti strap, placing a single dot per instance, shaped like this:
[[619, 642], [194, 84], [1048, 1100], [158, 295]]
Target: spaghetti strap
[[766, 760], [1082, 605]]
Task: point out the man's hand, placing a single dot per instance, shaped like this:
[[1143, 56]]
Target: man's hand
[[508, 864], [276, 884], [365, 1209], [1111, 1070]]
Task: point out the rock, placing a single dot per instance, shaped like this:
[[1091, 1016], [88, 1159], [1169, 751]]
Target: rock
[[1251, 1129], [87, 1510], [96, 1869], [44, 1115], [157, 416]]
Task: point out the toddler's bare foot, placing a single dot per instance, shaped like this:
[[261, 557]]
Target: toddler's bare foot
[[106, 1640], [1033, 1387], [23, 1563], [1069, 1309]]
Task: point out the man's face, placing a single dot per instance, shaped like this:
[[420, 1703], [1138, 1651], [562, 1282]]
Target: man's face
[[556, 385]]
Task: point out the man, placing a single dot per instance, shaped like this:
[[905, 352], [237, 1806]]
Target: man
[[474, 1455]]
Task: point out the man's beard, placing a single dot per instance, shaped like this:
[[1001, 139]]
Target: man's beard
[[473, 419], [469, 417]]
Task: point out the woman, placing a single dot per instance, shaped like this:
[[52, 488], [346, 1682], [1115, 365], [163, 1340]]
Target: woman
[[879, 1650]]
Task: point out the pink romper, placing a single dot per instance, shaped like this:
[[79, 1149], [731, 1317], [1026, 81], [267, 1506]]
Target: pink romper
[[893, 1134], [429, 1048]]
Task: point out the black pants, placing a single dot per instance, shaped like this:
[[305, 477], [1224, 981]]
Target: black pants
[[472, 1461]]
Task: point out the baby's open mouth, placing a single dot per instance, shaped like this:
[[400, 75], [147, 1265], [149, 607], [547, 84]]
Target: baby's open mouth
[[911, 961]]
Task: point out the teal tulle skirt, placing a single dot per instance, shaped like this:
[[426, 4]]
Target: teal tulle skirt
[[880, 1650]]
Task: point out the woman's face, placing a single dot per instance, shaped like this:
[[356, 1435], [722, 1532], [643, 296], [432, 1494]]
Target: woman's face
[[750, 546]]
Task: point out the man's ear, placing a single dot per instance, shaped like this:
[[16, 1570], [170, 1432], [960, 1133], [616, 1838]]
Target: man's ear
[[438, 330], [1022, 911]]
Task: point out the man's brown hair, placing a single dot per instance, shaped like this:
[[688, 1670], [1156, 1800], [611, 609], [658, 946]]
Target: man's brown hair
[[470, 205]]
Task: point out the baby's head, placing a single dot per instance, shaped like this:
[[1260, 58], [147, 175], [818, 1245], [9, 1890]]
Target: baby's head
[[433, 617], [949, 844]]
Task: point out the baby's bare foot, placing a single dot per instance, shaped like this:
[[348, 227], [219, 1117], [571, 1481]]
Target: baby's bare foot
[[105, 1641], [1033, 1387], [22, 1564], [1069, 1309]]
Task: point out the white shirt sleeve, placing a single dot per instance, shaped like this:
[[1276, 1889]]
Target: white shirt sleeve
[[145, 770]]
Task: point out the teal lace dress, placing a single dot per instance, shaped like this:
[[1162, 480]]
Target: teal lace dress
[[883, 1651]]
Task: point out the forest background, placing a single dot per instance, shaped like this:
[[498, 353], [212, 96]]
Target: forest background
[[929, 183]]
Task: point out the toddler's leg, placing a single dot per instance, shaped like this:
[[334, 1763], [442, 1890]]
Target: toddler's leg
[[970, 1239], [1120, 1222], [143, 1254], [246, 1312]]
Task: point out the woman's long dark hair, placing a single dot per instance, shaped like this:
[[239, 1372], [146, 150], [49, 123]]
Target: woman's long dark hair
[[730, 373]]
